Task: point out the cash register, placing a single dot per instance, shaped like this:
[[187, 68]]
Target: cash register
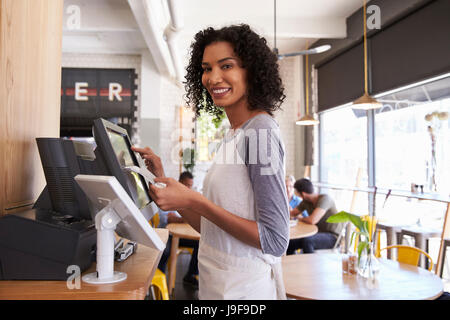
[[59, 231]]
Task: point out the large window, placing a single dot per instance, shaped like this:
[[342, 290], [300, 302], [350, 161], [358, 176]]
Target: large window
[[411, 145], [343, 138], [209, 133], [343, 155], [412, 140]]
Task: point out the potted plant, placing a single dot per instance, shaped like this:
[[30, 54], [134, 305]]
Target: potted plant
[[365, 229]]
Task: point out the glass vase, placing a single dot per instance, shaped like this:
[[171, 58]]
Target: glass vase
[[368, 265]]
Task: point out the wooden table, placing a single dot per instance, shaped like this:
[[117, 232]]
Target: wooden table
[[302, 230], [319, 277], [178, 230], [140, 268], [444, 198]]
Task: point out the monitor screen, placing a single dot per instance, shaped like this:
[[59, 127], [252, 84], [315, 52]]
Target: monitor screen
[[122, 148], [114, 150]]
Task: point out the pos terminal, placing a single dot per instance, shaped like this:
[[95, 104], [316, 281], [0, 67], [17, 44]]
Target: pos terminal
[[59, 231]]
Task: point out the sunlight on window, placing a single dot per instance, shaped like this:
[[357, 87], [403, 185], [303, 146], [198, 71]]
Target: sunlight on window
[[404, 153], [209, 134], [344, 146]]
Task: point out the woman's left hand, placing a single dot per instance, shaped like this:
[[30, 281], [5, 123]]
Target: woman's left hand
[[175, 196]]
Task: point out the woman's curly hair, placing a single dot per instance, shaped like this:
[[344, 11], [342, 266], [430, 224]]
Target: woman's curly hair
[[265, 89]]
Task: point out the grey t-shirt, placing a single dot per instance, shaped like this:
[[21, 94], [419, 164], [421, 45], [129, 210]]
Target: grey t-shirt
[[326, 203], [263, 152]]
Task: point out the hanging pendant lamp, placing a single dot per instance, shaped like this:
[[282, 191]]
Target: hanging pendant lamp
[[365, 102], [307, 119]]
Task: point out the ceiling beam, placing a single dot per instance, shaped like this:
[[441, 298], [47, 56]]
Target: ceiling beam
[[145, 14]]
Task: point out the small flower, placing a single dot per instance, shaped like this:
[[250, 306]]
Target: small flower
[[443, 115]]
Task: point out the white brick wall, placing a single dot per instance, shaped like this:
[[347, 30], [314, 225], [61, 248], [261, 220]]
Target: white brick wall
[[88, 60], [171, 100], [290, 73]]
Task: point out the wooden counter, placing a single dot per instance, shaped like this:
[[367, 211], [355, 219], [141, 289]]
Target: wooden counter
[[140, 268]]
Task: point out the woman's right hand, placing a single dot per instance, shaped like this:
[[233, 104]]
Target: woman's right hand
[[152, 161]]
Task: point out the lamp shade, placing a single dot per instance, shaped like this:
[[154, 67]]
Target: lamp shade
[[366, 102], [306, 120]]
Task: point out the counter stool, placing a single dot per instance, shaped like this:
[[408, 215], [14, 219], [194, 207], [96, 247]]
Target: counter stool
[[421, 237], [392, 235], [444, 251]]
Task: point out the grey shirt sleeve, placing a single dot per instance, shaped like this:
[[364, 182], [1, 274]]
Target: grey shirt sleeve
[[325, 202], [264, 158]]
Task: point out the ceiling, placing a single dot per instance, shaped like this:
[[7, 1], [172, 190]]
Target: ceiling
[[112, 26], [297, 21]]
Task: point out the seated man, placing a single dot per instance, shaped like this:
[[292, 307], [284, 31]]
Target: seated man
[[165, 218], [294, 201], [319, 208]]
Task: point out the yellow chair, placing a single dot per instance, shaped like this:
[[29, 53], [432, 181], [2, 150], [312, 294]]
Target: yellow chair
[[154, 221], [159, 279], [408, 255], [372, 227]]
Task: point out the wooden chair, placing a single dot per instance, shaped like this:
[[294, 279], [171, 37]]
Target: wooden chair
[[409, 255], [159, 279]]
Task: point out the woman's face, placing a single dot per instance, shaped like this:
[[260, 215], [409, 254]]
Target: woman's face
[[223, 76]]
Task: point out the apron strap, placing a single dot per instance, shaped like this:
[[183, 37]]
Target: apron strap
[[278, 276]]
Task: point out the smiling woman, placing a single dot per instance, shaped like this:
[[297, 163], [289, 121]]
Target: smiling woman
[[243, 214], [223, 75], [265, 90]]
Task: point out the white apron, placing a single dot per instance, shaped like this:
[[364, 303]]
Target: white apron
[[229, 269]]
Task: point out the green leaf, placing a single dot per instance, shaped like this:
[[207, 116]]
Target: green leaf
[[344, 216], [357, 222], [362, 246], [339, 217], [351, 239], [366, 227]]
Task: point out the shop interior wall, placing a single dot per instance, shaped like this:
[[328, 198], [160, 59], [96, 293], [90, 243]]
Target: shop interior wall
[[30, 85]]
